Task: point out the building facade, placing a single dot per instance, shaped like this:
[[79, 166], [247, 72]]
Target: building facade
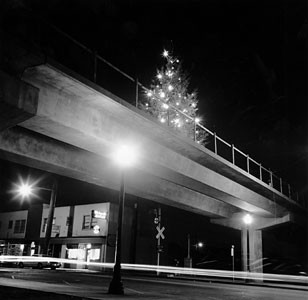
[[81, 232]]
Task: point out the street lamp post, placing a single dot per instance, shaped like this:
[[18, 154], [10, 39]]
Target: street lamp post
[[125, 156], [52, 204], [116, 284], [188, 260], [247, 220], [25, 190]]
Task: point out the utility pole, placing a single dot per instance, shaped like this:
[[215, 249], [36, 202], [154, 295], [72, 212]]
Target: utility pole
[[158, 239], [188, 259], [52, 204]]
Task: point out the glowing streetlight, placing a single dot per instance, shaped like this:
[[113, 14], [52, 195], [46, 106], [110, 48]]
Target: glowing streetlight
[[124, 156], [24, 190], [199, 245], [247, 219]]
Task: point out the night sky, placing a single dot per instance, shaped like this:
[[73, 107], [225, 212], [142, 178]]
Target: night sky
[[247, 59]]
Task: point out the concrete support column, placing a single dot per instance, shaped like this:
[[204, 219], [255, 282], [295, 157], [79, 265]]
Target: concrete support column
[[244, 249], [252, 253], [255, 251]]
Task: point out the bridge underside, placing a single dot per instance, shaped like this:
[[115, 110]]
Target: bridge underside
[[84, 121], [35, 150]]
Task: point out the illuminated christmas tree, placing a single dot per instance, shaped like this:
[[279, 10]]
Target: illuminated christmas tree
[[169, 101]]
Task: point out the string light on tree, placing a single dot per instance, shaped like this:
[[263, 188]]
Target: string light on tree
[[169, 95]]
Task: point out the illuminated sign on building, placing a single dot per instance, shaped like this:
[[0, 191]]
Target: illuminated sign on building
[[98, 214]]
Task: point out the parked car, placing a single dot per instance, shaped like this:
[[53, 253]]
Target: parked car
[[7, 261], [39, 261]]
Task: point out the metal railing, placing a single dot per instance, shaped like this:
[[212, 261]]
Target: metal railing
[[93, 66]]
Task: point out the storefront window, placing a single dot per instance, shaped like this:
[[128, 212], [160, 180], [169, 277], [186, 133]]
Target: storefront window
[[94, 254]]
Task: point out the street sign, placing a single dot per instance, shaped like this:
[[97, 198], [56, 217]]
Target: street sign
[[160, 232], [232, 250]]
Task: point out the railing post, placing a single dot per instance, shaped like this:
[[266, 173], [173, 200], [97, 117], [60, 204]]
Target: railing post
[[297, 198], [195, 129], [137, 92], [94, 66], [248, 164], [289, 189], [260, 171], [281, 185], [271, 178], [215, 143], [233, 157]]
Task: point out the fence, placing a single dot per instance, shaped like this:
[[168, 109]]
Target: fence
[[55, 43]]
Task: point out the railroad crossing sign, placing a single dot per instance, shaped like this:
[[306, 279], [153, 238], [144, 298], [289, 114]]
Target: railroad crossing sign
[[160, 232]]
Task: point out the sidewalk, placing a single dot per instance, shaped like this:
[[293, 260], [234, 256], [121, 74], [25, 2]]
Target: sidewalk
[[19, 289]]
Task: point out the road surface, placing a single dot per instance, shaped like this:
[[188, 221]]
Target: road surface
[[95, 286]]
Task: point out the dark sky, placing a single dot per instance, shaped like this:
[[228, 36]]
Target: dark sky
[[248, 60]]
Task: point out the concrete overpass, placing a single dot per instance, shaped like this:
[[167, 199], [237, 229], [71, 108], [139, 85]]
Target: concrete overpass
[[55, 120]]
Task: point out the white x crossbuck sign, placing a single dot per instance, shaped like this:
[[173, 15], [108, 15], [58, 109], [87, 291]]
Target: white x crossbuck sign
[[160, 232]]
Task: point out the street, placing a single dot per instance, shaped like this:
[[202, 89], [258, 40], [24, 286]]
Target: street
[[94, 285]]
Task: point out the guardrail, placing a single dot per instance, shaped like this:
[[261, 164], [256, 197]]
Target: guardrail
[[55, 43]]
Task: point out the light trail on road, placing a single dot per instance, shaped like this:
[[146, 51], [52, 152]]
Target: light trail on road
[[174, 271]]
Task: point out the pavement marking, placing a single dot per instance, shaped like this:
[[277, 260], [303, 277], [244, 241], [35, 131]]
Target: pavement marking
[[66, 282], [135, 291]]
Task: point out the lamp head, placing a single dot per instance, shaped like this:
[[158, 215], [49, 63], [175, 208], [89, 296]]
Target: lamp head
[[200, 244], [25, 190], [247, 219], [125, 156]]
